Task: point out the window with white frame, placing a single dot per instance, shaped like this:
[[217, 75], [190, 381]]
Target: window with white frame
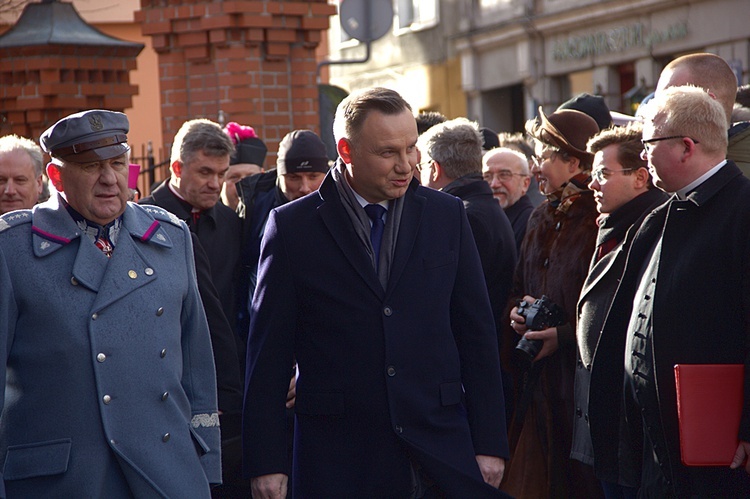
[[415, 15]]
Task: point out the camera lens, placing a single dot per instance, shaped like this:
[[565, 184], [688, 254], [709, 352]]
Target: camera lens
[[527, 350]]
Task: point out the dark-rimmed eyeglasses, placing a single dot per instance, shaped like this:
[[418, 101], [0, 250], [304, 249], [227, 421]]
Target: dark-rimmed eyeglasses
[[647, 142], [602, 174], [502, 175]]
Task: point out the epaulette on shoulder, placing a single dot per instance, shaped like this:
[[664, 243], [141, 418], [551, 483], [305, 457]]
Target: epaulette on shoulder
[[161, 214], [14, 218]]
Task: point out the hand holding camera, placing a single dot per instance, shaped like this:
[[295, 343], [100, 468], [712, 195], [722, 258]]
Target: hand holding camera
[[539, 317]]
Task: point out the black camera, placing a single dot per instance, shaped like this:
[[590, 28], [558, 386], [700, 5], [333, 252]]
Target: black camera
[[539, 315]]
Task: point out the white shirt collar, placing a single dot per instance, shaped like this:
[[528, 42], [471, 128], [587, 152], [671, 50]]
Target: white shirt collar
[[682, 193], [362, 201]]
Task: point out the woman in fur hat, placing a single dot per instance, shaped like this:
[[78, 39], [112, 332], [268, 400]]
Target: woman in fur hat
[[553, 261]]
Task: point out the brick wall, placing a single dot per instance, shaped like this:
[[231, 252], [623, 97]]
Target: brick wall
[[253, 60], [39, 85]]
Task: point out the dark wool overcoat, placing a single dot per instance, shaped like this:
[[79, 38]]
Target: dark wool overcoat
[[705, 256], [387, 377]]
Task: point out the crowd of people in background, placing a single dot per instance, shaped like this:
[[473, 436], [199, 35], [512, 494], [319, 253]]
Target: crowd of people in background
[[442, 311]]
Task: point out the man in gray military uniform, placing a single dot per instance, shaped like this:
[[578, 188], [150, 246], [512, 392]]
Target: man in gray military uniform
[[109, 382]]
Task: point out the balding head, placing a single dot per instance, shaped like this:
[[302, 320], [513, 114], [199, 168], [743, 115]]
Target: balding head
[[507, 172], [707, 71]]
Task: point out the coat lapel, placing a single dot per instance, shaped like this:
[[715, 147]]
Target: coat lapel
[[411, 217], [90, 264], [647, 235], [128, 269], [337, 222], [53, 228], [164, 198], [125, 272], [600, 269]]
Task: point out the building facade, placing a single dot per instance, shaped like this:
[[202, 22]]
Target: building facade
[[116, 19], [511, 56], [252, 61]]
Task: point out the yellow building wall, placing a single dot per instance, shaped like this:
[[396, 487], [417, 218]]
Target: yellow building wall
[[445, 91]]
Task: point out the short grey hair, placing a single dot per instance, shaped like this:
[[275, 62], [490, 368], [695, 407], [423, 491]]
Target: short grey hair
[[455, 144], [10, 143], [200, 135]]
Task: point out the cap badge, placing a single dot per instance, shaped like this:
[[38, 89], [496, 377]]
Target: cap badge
[[96, 122]]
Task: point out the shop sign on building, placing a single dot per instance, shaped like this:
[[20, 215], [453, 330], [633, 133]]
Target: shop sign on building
[[615, 40]]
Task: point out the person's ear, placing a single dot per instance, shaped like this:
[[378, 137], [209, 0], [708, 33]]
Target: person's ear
[[344, 148], [53, 172], [689, 148], [574, 165], [642, 178], [437, 171], [176, 168]]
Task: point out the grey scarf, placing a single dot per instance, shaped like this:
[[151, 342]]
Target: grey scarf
[[361, 223]]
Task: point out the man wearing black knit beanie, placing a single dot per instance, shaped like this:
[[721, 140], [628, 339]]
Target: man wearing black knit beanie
[[301, 164]]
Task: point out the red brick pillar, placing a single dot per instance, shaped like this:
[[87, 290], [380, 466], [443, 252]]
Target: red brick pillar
[[42, 81], [39, 89], [253, 60]]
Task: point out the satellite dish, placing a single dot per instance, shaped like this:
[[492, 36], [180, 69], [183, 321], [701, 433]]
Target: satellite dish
[[366, 20]]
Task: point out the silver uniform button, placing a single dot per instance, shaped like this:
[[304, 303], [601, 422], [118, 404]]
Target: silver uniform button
[[101, 357], [94, 316], [163, 353], [159, 311], [164, 396], [148, 271], [74, 281], [107, 399], [165, 438]]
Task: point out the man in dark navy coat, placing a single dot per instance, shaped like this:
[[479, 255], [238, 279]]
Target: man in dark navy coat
[[387, 316], [198, 165]]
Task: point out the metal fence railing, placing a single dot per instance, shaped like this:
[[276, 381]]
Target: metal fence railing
[[154, 166]]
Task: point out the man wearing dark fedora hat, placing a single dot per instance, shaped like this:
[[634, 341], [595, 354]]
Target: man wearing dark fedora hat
[[592, 105], [100, 323], [559, 241]]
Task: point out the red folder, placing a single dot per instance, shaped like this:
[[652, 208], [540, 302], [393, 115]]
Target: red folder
[[709, 407]]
